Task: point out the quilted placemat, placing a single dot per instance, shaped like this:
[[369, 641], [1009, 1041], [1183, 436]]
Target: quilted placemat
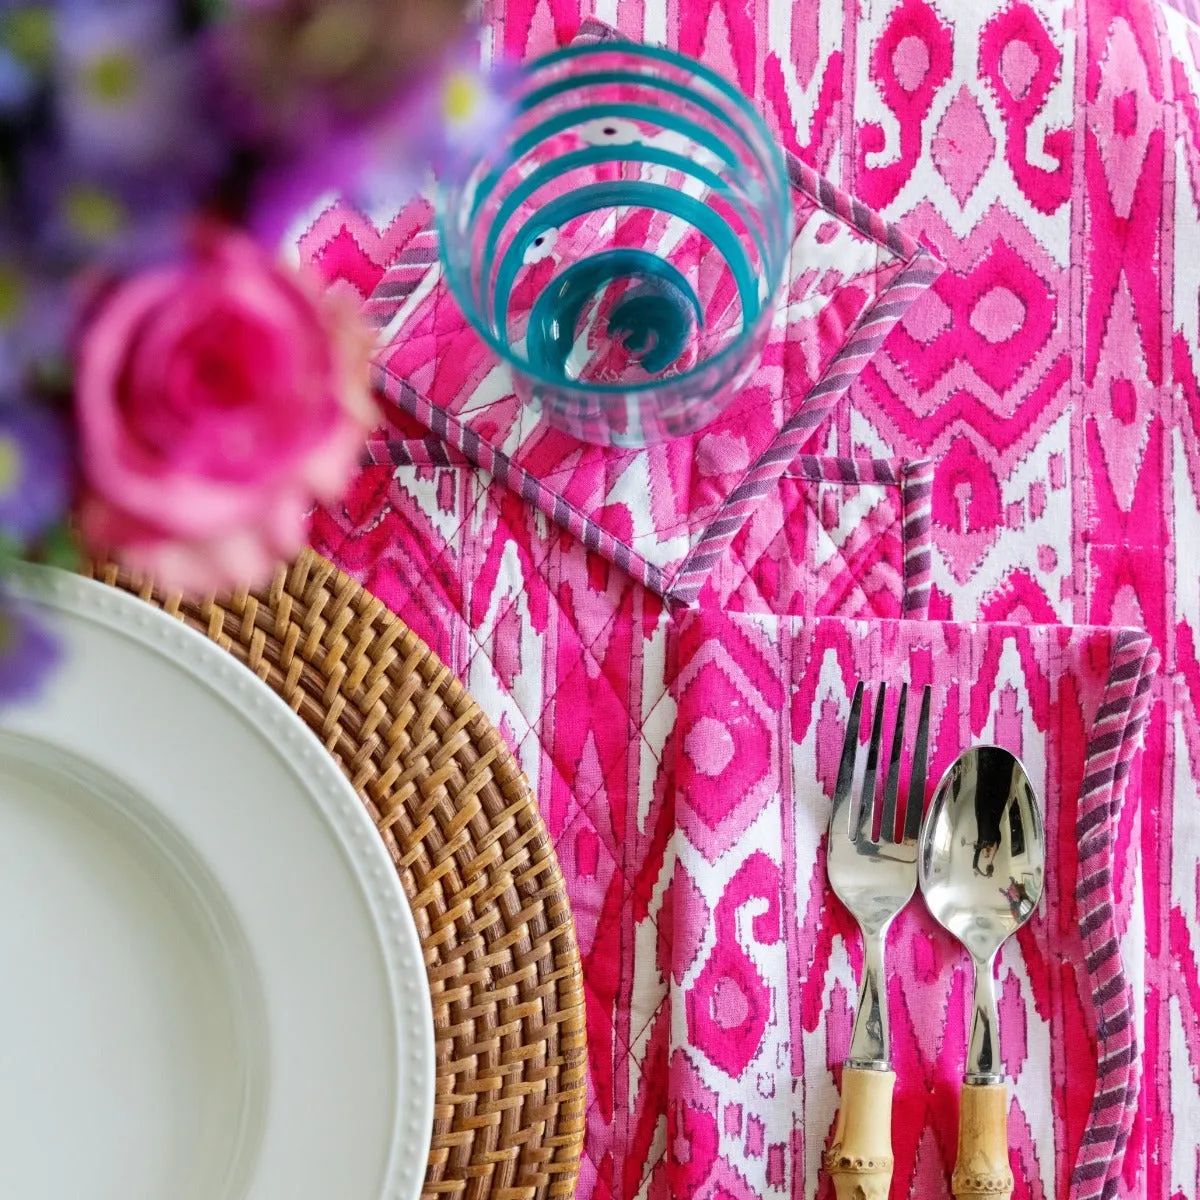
[[667, 513], [843, 537]]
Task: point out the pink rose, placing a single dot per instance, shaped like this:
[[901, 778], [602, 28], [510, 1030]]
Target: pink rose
[[217, 399]]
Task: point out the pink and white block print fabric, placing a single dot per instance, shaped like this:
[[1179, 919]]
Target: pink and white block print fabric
[[765, 962], [1048, 152]]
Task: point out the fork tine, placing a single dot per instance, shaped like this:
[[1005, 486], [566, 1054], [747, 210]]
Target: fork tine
[[867, 798], [845, 775], [891, 785], [916, 781]]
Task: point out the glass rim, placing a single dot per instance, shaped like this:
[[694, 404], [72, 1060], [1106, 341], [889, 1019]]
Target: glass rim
[[756, 140]]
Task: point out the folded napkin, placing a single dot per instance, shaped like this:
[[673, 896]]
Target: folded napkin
[[664, 513], [764, 960]]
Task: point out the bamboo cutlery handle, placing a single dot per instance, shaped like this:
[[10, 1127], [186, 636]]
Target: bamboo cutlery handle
[[982, 1170], [860, 1159]]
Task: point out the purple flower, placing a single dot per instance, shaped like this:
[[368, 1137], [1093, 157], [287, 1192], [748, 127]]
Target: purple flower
[[127, 91], [28, 652], [475, 110], [35, 317], [453, 115], [117, 150], [382, 161], [16, 82], [117, 219], [290, 184], [446, 117], [35, 473], [299, 71]]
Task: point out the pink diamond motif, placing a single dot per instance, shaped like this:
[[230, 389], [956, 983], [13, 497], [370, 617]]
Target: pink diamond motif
[[929, 316], [1125, 114], [963, 145]]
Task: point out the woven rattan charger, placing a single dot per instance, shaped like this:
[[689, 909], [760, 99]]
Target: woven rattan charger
[[473, 856]]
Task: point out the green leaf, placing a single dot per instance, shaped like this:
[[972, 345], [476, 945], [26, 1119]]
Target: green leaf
[[59, 549], [10, 550]]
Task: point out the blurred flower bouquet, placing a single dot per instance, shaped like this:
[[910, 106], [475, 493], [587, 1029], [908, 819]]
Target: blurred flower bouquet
[[171, 393]]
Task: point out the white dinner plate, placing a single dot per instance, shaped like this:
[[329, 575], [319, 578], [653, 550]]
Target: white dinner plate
[[211, 986]]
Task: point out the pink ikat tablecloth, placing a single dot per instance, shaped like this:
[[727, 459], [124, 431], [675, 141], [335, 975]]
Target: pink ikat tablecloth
[[1042, 396]]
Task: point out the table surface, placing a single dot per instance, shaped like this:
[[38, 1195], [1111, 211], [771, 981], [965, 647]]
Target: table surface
[[1049, 154]]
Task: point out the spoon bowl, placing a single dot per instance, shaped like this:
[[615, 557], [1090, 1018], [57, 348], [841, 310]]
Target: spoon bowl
[[982, 868]]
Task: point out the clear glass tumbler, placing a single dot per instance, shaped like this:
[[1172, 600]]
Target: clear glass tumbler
[[623, 248]]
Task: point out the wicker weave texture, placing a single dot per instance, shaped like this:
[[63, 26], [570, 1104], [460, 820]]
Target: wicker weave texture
[[471, 851]]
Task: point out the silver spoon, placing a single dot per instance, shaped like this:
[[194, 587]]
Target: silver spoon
[[982, 866]]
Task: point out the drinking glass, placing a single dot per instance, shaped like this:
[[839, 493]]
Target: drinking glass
[[623, 247]]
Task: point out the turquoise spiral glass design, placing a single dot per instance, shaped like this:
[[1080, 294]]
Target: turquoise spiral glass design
[[624, 247]]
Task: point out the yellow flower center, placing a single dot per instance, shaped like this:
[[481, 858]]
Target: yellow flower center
[[29, 34], [93, 213], [12, 294], [10, 465], [112, 78], [461, 97]]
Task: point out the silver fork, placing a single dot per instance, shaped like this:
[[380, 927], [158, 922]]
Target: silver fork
[[874, 877]]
